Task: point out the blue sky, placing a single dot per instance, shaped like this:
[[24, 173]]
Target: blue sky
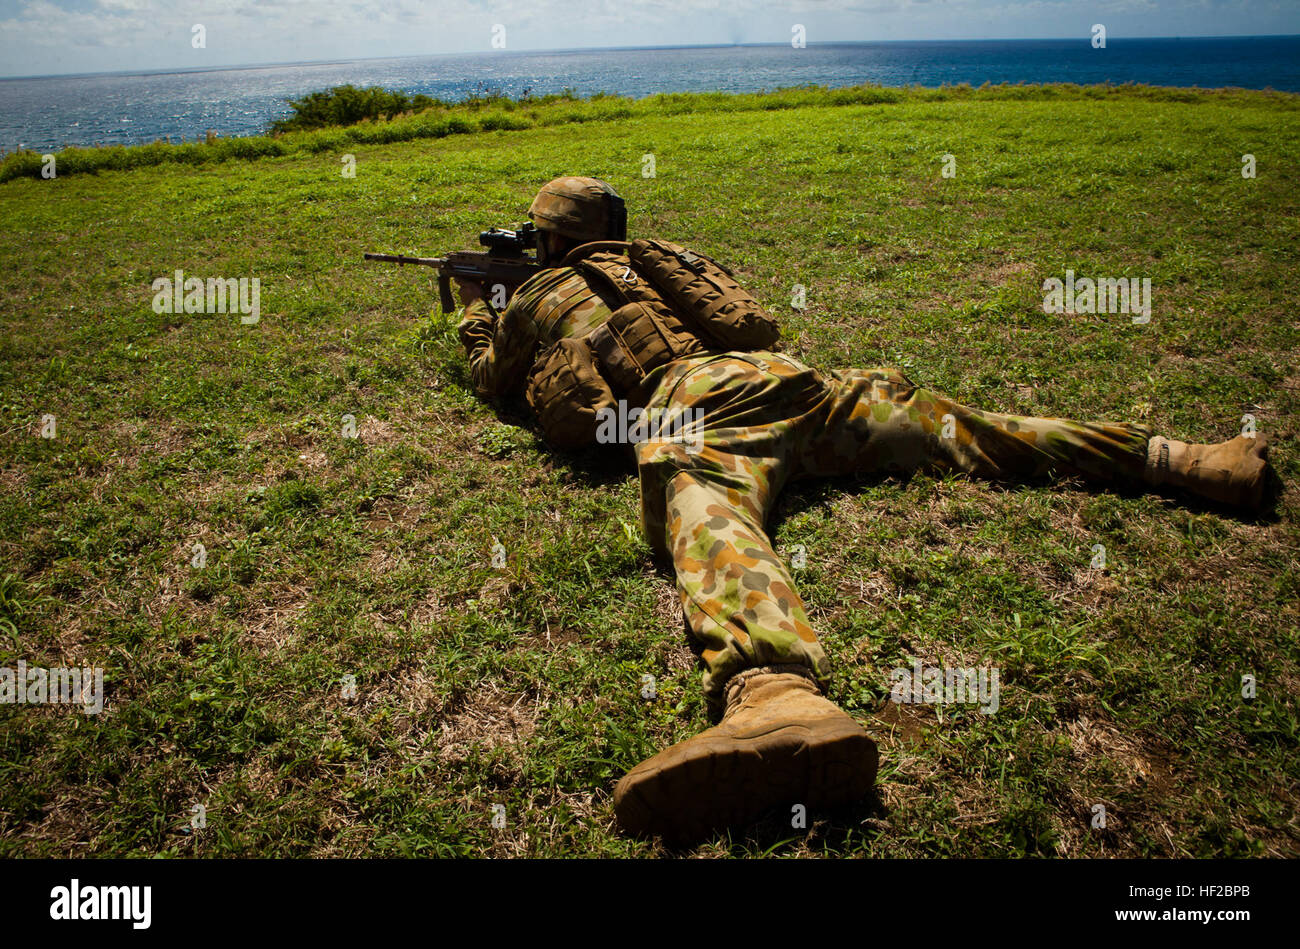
[[42, 37]]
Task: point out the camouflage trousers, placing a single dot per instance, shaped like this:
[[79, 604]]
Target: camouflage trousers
[[748, 423]]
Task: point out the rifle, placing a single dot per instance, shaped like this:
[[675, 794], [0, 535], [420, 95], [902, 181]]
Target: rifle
[[505, 261]]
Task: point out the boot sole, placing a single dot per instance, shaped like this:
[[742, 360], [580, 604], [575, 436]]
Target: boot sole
[[1252, 491], [705, 784], [1245, 488]]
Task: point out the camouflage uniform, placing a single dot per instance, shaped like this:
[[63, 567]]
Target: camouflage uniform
[[501, 350], [768, 419]]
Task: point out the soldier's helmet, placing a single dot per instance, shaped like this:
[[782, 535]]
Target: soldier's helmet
[[584, 209]]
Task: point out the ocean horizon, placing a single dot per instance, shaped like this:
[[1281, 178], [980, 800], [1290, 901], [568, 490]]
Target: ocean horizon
[[111, 108]]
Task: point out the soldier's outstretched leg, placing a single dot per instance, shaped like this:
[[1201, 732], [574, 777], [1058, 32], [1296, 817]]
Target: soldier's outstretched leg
[[879, 421], [756, 420], [705, 499]]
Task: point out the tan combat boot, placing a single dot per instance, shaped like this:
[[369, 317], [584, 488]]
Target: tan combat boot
[[1230, 472], [779, 742]]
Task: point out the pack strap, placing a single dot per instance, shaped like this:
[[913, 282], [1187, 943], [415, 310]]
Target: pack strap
[[618, 296]]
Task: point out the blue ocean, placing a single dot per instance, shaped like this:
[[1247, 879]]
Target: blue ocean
[[118, 108]]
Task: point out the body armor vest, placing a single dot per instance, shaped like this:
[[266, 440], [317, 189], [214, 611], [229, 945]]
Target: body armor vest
[[666, 303]]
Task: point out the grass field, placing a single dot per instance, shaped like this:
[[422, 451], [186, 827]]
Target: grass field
[[371, 557]]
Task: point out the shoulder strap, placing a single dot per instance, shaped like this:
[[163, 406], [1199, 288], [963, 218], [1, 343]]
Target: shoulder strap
[[617, 296]]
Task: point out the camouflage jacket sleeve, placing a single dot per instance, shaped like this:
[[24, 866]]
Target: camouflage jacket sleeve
[[500, 346]]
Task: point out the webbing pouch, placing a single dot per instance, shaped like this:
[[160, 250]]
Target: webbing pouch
[[567, 392], [636, 339]]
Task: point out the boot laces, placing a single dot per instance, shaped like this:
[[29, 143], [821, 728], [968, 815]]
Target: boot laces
[[735, 686]]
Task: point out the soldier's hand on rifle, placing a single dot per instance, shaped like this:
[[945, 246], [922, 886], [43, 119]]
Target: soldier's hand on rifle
[[470, 290]]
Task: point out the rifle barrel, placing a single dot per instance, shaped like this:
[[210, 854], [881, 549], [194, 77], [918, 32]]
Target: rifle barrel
[[403, 259]]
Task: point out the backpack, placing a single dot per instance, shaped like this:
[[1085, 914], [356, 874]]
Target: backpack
[[705, 295]]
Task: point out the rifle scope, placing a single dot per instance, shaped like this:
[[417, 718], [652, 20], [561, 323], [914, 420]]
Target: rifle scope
[[509, 243]]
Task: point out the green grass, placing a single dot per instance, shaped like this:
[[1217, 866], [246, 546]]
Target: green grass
[[371, 557], [366, 117]]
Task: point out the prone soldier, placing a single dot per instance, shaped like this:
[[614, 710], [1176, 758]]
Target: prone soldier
[[660, 328]]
